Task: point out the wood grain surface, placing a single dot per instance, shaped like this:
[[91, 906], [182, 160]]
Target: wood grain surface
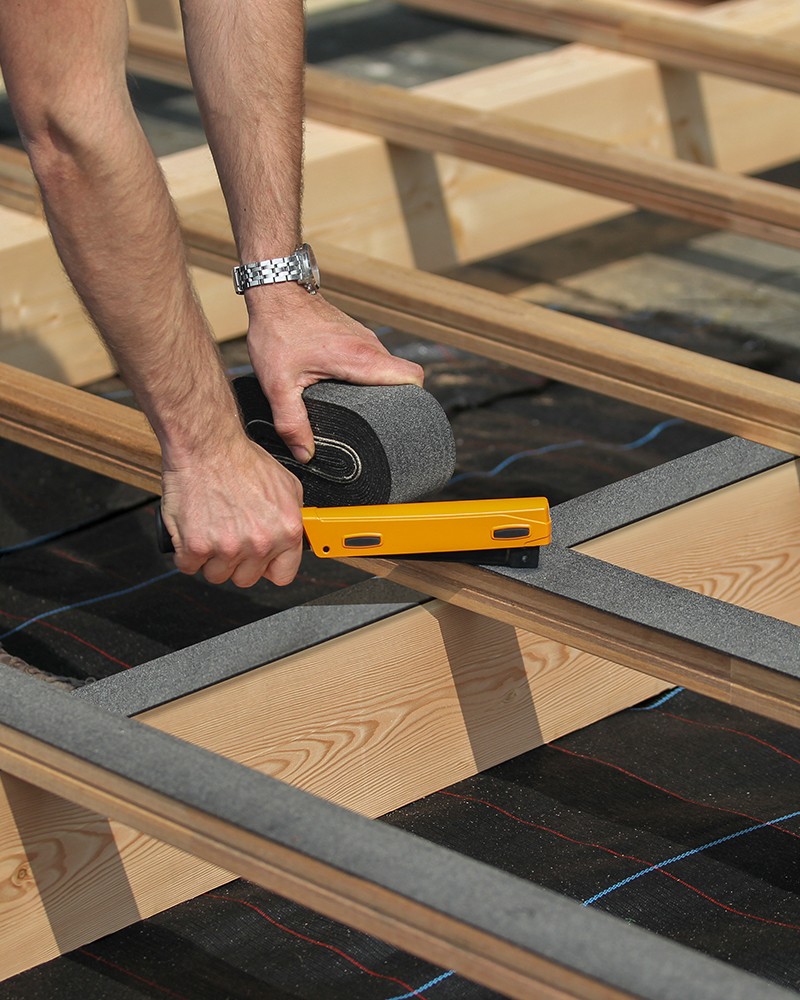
[[740, 544], [371, 720]]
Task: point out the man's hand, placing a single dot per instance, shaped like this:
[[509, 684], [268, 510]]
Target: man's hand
[[296, 339], [235, 516]]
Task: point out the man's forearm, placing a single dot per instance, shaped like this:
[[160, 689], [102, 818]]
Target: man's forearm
[[247, 62], [110, 213], [231, 509], [104, 215]]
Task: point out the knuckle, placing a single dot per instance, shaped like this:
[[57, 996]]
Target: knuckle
[[279, 576], [244, 580], [294, 534], [187, 566], [262, 545], [215, 572], [367, 351], [227, 549], [195, 549]]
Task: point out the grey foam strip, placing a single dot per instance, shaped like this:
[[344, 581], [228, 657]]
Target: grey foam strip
[[660, 488], [217, 659], [727, 628], [590, 942]]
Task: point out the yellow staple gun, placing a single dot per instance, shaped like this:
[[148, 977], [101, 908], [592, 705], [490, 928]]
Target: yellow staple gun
[[500, 532]]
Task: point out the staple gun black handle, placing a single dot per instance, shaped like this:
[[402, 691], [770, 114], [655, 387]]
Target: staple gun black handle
[[163, 537]]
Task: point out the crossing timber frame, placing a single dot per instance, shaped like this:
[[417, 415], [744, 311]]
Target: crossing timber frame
[[651, 582]]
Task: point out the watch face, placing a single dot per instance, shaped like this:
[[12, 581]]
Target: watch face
[[312, 281]]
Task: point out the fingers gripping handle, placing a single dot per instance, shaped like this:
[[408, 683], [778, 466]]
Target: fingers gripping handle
[[164, 539]]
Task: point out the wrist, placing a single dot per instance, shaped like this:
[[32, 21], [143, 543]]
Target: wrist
[[183, 448], [276, 303], [201, 428]]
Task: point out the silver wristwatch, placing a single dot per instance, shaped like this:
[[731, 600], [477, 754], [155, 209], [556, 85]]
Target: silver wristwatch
[[300, 266]]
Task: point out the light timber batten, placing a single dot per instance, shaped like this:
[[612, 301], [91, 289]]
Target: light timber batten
[[506, 934], [602, 359], [476, 948], [697, 193], [567, 89], [754, 527], [645, 622], [725, 672], [689, 191], [685, 40], [668, 379], [81, 428], [584, 603], [508, 143], [390, 213]]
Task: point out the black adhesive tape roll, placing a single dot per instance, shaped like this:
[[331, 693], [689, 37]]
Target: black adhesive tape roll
[[373, 444]]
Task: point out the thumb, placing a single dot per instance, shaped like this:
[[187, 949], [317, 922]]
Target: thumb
[[402, 372], [381, 368], [291, 422]]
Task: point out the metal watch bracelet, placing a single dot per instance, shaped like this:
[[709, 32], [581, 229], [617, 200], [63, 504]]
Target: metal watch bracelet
[[300, 266]]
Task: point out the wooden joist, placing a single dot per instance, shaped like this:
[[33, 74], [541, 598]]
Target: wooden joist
[[414, 208], [487, 689], [371, 720], [665, 378], [570, 90], [444, 672], [43, 327], [689, 191], [668, 379], [479, 729], [685, 190], [568, 599], [686, 40], [671, 380], [491, 927]]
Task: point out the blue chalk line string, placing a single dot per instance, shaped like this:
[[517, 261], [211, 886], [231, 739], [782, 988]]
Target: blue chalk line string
[[90, 600], [687, 854], [425, 986], [52, 536], [564, 446], [657, 704]]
